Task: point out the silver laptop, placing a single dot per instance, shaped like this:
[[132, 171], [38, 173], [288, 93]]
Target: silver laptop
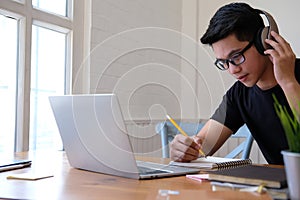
[[95, 138]]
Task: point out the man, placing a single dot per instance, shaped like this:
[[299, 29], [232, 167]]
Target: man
[[233, 35]]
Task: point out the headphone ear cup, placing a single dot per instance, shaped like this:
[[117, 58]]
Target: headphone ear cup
[[259, 40], [265, 33]]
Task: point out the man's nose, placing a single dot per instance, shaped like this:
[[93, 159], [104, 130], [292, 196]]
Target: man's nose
[[233, 68]]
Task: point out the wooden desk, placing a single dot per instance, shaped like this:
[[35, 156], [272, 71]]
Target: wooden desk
[[70, 183]]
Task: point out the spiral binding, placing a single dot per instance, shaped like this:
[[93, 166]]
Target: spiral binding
[[233, 164]]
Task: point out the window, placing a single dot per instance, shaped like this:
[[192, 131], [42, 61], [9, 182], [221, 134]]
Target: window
[[54, 6], [8, 80], [36, 56], [47, 78]]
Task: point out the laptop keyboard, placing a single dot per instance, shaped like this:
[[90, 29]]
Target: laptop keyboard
[[146, 170]]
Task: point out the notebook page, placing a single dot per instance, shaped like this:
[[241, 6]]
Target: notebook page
[[204, 163]]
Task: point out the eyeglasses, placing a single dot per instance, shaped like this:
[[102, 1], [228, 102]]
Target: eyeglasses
[[236, 59]]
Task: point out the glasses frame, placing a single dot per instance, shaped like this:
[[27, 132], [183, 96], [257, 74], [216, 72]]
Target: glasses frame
[[223, 64]]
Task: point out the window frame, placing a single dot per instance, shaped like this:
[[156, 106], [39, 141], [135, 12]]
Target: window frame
[[27, 16]]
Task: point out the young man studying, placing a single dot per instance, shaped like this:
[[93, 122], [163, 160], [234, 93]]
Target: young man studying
[[264, 64]]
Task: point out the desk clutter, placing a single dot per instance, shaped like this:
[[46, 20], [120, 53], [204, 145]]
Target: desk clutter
[[275, 193], [244, 178], [237, 171]]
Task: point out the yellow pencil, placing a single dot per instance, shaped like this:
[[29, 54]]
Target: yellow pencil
[[182, 132]]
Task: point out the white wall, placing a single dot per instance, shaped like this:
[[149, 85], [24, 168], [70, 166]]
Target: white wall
[[135, 53]]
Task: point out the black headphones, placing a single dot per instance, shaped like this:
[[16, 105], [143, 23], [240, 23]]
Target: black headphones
[[265, 33]]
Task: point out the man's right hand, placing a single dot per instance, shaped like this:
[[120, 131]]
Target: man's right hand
[[184, 149]]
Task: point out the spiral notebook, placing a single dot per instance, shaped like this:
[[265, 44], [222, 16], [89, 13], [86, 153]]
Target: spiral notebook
[[213, 163]]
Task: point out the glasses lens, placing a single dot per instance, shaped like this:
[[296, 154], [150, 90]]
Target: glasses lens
[[237, 59], [220, 64]]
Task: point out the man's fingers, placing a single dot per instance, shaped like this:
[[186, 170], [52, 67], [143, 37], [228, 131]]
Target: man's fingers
[[184, 149]]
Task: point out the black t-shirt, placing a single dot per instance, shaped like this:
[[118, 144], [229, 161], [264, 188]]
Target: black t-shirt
[[255, 107]]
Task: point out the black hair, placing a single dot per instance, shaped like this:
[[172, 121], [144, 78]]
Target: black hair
[[234, 18]]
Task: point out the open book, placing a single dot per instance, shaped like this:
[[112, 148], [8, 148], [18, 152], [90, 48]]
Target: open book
[[211, 162]]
